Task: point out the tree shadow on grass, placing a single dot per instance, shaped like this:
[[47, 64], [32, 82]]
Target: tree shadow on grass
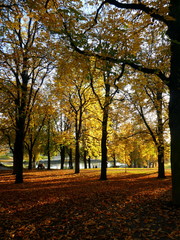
[[113, 209]]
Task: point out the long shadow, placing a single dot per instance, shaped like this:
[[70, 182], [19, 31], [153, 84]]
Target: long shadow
[[5, 172], [66, 184], [74, 178], [102, 212]]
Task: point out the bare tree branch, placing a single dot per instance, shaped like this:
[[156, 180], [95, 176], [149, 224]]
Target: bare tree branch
[[98, 10], [140, 6], [136, 66], [7, 6]]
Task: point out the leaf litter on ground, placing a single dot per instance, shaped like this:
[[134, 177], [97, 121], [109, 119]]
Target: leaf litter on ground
[[58, 204]]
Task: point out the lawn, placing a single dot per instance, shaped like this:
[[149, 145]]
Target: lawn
[[59, 204]]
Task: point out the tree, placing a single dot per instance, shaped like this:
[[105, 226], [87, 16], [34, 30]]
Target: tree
[[37, 122], [64, 138], [104, 78], [25, 63], [167, 14], [172, 20], [121, 130], [74, 90], [162, 14], [149, 103], [92, 132]]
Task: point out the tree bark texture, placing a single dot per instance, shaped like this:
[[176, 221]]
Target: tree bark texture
[[85, 159], [48, 144], [160, 130], [21, 106], [77, 153], [103, 146], [62, 156], [174, 105], [18, 154], [70, 158]]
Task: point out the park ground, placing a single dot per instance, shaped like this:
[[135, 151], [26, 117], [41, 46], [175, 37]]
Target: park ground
[[59, 204]]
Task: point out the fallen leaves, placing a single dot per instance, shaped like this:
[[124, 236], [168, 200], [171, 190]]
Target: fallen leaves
[[63, 205]]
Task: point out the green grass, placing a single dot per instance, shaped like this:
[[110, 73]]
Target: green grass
[[137, 170], [134, 170], [5, 157]]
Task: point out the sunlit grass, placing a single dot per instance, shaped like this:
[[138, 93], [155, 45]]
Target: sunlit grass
[[135, 170]]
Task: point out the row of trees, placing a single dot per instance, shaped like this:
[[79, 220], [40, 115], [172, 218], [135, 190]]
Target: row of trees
[[69, 107], [102, 60]]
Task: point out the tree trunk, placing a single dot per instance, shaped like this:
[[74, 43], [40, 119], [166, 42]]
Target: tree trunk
[[48, 144], [18, 153], [77, 156], [21, 104], [62, 156], [49, 159], [89, 162], [84, 157], [104, 133], [77, 138], [161, 171], [174, 123], [160, 147], [77, 153], [70, 159], [30, 159], [103, 145], [14, 162], [174, 105], [34, 161], [114, 159]]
